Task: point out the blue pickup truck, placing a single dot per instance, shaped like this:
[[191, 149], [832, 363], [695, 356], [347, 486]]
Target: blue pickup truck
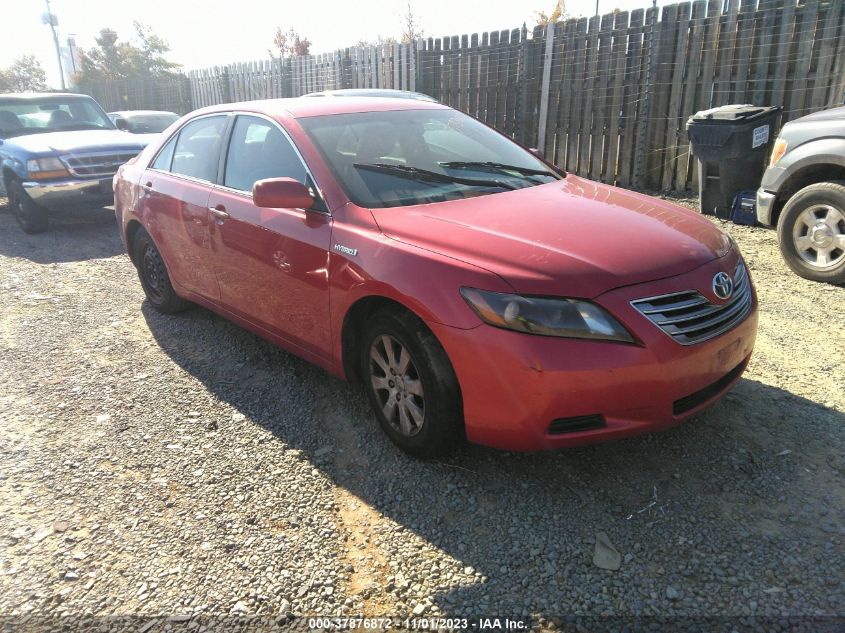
[[58, 152]]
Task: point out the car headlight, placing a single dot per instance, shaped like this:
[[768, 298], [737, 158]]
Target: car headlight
[[51, 167], [777, 151], [568, 318]]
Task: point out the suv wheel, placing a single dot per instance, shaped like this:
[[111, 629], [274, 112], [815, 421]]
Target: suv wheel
[[31, 217], [411, 384], [811, 232]]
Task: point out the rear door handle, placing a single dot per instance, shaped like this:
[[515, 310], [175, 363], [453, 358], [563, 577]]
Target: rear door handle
[[219, 212], [147, 188]]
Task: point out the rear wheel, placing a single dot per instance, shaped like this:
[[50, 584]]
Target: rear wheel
[[153, 275], [411, 385], [811, 232], [31, 217]]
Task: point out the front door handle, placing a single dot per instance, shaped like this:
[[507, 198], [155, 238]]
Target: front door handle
[[219, 212]]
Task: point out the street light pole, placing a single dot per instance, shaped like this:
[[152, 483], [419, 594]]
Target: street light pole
[[53, 21]]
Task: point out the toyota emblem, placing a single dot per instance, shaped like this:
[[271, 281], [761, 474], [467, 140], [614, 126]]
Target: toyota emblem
[[723, 286]]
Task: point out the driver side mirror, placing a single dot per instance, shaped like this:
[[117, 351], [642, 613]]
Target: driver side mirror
[[281, 193], [121, 124]]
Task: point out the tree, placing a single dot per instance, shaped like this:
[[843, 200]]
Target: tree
[[379, 41], [290, 43], [558, 13], [112, 59], [411, 30], [25, 74]]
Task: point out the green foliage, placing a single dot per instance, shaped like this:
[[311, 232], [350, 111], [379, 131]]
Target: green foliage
[[112, 59], [24, 75]]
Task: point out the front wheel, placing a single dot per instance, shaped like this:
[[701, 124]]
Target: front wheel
[[811, 232], [411, 385], [31, 217], [153, 275]]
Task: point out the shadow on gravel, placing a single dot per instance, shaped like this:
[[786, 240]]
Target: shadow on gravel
[[729, 500], [72, 236]]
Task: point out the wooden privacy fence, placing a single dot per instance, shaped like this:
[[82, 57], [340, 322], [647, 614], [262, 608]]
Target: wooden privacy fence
[[387, 66], [605, 97], [171, 93]]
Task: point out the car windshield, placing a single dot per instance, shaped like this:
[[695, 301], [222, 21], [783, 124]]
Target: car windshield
[[407, 157], [50, 114], [149, 123]]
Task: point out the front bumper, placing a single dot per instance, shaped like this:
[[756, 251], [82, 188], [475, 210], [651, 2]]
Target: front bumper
[[66, 194], [765, 207], [515, 385]]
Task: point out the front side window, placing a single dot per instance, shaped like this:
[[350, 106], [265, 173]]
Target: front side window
[[165, 156], [406, 157], [259, 150], [197, 150]]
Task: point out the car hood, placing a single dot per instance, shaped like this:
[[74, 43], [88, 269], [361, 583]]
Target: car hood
[[77, 141], [573, 237], [833, 114], [146, 138]]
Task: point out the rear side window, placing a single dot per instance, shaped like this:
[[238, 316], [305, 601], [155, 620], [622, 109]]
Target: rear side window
[[259, 150], [197, 150], [165, 156]]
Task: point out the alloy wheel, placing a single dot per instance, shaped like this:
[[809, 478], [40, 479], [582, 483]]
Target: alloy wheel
[[819, 236], [397, 385]]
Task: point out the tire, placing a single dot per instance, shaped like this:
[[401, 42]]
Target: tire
[[811, 232], [31, 217], [426, 419], [154, 277]]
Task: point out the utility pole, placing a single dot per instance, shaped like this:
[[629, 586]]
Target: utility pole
[[53, 21]]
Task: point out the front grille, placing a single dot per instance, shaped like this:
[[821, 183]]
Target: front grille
[[690, 402], [690, 318], [97, 164]]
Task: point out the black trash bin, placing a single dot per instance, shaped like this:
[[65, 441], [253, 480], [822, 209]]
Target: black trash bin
[[731, 144]]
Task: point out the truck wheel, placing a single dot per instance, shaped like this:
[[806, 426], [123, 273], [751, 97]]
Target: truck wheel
[[153, 275], [31, 217], [811, 232], [411, 385]]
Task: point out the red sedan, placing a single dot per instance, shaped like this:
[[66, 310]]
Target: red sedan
[[474, 289]]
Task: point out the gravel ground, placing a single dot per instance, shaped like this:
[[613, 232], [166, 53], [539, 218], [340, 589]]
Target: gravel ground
[[179, 466]]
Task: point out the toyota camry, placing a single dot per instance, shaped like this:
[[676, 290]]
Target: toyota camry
[[475, 290]]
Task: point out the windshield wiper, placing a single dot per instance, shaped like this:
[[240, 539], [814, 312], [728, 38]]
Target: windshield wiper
[[525, 171], [424, 175]]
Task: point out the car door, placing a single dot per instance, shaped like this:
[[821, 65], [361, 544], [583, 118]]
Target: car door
[[271, 264], [176, 188]]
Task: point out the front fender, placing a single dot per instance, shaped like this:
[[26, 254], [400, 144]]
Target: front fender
[[425, 282], [10, 164], [825, 151]]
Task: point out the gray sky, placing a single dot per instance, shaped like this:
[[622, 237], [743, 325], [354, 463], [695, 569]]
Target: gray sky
[[212, 32]]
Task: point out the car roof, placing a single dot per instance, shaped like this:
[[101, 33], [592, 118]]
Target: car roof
[[372, 92], [39, 96], [137, 112], [298, 107]]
